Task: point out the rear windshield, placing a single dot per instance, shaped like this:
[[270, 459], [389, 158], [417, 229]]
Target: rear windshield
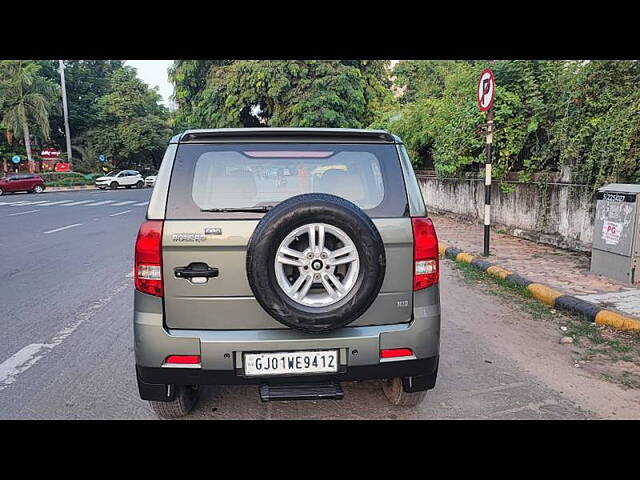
[[218, 176]]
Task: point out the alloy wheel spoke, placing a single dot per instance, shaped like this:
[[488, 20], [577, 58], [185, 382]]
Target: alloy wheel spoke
[[296, 285], [292, 253], [337, 283], [320, 238], [305, 288], [327, 286], [290, 261]]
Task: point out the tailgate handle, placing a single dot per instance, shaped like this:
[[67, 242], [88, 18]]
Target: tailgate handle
[[196, 269]]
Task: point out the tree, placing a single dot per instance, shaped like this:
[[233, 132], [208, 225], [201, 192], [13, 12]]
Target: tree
[[25, 99], [132, 125], [86, 81], [278, 93]]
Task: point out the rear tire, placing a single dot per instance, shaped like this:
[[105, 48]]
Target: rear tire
[[186, 398], [396, 395], [38, 189], [113, 186], [140, 184]]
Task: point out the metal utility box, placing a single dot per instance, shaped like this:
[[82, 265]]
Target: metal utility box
[[616, 243]]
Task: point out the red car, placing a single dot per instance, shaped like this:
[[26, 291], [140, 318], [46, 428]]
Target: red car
[[22, 182]]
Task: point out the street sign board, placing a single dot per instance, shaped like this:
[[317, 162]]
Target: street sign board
[[486, 90], [15, 159], [62, 167], [50, 153]]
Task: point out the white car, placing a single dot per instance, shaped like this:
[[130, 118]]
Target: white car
[[150, 181], [124, 178]]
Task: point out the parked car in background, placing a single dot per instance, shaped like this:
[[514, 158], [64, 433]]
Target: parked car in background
[[150, 181], [124, 178], [22, 182]]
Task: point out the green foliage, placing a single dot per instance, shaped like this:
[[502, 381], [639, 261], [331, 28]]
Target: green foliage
[[67, 179], [298, 93], [548, 114], [25, 98], [132, 127]]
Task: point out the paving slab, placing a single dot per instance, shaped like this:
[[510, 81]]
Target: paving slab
[[565, 270]]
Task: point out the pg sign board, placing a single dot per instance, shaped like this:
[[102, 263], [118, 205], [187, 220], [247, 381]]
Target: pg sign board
[[486, 90]]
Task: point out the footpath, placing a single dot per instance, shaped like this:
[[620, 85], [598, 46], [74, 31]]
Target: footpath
[[553, 275]]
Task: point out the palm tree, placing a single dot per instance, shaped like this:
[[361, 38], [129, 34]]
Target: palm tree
[[25, 97]]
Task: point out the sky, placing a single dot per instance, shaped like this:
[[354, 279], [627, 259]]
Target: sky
[[154, 73]]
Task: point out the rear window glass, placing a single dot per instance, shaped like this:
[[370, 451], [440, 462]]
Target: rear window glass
[[214, 176]]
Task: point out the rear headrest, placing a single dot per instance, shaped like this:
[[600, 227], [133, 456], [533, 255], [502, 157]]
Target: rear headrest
[[343, 184], [237, 188]]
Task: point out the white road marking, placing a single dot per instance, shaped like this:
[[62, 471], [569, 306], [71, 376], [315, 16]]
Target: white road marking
[[121, 213], [141, 204], [62, 228], [77, 203], [24, 204], [21, 213], [104, 202], [54, 203], [119, 204], [28, 356], [130, 275]]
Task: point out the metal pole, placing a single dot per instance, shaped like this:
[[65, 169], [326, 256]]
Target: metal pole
[[66, 113], [487, 183]]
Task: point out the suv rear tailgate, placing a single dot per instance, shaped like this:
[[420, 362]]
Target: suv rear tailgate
[[227, 302]]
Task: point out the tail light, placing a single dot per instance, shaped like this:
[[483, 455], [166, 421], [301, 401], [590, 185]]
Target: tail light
[[425, 253], [148, 263]]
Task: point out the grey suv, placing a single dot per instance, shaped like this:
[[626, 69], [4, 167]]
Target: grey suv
[[291, 259]]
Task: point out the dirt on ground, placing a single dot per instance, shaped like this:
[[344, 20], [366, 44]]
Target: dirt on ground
[[596, 366]]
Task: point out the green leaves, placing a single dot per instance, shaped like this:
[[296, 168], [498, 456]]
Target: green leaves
[[278, 93], [547, 114]]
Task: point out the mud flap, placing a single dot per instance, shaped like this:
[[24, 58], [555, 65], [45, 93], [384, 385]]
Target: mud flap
[[158, 392]]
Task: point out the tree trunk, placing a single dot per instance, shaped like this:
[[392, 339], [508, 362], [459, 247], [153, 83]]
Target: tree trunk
[[27, 144]]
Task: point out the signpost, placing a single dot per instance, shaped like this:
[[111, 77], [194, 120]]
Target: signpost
[[486, 95], [50, 153]]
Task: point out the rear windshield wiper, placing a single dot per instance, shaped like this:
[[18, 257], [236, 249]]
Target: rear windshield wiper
[[264, 208]]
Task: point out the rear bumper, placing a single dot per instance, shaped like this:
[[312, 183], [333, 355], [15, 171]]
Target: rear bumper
[[221, 351], [184, 376], [159, 383]]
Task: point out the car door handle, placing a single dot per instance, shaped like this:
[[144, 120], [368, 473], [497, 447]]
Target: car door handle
[[196, 269]]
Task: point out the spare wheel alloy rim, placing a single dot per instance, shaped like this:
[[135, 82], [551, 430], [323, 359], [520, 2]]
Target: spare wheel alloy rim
[[317, 265]]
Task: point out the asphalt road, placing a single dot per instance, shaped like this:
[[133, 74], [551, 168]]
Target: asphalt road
[[66, 350]]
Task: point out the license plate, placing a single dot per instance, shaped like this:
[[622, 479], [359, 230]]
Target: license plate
[[287, 363]]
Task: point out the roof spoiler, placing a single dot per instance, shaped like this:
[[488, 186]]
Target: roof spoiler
[[268, 134]]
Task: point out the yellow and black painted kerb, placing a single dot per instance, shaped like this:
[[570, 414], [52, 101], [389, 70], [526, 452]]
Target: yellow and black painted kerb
[[543, 293]]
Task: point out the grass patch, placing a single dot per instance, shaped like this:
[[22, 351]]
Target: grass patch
[[527, 302]]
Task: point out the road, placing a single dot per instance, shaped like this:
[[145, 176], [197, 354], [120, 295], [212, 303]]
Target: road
[[66, 351]]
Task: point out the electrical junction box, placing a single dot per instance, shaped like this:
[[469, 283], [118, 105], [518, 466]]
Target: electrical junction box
[[615, 250]]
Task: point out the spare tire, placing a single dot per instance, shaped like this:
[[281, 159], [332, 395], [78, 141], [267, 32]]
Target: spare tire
[[315, 262]]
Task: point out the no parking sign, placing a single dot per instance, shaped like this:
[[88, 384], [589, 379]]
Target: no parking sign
[[486, 90]]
